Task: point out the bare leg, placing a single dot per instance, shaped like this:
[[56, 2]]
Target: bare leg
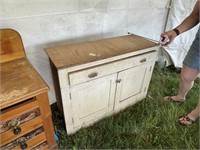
[[187, 77], [195, 113], [191, 117]]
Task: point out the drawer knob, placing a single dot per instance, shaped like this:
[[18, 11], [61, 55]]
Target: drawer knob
[[92, 75], [22, 142], [14, 124], [23, 145], [17, 130], [143, 60]]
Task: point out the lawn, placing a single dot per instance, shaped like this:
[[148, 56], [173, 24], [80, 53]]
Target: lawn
[[149, 124]]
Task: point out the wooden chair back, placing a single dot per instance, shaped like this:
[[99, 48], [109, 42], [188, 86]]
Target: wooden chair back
[[11, 45]]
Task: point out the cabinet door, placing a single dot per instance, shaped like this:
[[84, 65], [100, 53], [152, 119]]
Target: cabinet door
[[132, 85], [92, 100]]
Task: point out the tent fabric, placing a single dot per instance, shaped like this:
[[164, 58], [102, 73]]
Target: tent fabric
[[177, 50]]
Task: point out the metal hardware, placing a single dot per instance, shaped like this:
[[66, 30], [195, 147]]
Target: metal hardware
[[22, 142], [92, 75], [145, 89], [150, 69], [13, 123], [23, 145], [118, 80], [143, 60], [16, 129]]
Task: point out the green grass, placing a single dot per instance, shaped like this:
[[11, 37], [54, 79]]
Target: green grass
[[149, 124]]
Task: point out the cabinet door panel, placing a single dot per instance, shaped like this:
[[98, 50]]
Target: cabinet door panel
[[92, 99], [131, 85]]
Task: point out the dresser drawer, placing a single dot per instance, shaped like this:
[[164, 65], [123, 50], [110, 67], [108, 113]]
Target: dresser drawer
[[28, 141], [19, 114], [8, 136], [106, 69], [19, 120]]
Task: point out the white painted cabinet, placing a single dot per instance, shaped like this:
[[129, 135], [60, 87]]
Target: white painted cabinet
[[97, 79]]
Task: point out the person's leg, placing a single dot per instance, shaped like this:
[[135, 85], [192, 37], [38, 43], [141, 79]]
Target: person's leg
[[191, 117], [194, 114], [187, 77]]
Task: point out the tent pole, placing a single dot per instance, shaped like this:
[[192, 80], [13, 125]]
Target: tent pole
[[164, 55], [167, 17]]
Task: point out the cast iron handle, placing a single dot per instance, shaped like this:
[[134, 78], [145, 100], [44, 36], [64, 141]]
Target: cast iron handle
[[92, 75], [143, 60]]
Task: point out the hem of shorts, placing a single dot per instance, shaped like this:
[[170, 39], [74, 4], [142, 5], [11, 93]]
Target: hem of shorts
[[198, 69]]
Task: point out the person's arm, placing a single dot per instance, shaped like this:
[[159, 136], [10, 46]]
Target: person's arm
[[191, 21], [188, 23]]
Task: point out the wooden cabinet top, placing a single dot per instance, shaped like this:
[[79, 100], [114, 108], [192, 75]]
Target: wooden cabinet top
[[19, 81], [86, 52]]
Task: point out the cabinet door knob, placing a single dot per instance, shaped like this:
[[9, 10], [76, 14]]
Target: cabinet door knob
[[118, 80], [143, 60], [92, 75]]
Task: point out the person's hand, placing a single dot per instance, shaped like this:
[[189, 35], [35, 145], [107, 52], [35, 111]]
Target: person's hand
[[170, 35]]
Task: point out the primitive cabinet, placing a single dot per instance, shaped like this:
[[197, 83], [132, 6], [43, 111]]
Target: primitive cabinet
[[25, 113], [99, 78]]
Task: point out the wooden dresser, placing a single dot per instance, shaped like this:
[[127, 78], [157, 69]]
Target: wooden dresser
[[25, 115], [99, 78]]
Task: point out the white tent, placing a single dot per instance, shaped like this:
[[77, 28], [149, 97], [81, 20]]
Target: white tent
[[178, 49]]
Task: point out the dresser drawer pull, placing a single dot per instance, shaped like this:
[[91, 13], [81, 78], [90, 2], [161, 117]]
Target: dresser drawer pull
[[92, 75], [16, 129], [22, 142], [143, 60], [23, 145]]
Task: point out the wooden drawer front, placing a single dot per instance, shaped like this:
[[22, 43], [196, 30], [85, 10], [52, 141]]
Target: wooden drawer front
[[9, 136], [7, 125], [28, 140], [99, 71]]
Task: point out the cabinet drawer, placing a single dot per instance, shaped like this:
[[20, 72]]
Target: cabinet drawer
[[102, 70], [27, 141]]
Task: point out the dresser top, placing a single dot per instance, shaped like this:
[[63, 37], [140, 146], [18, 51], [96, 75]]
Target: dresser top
[[19, 81], [86, 52]]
